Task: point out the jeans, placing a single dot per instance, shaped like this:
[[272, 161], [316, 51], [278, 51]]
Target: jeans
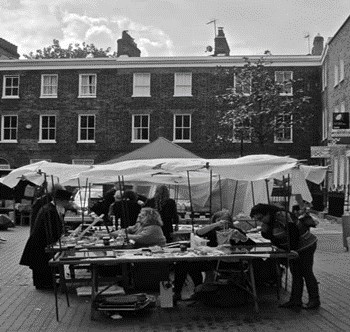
[[302, 269]]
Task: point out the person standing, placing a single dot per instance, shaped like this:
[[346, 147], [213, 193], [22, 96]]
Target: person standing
[[289, 234], [166, 206], [47, 229], [126, 208]]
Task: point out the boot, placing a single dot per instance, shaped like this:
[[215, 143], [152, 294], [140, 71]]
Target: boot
[[290, 304], [312, 304]]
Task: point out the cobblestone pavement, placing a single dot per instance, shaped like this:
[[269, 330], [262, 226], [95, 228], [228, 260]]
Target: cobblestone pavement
[[25, 309]]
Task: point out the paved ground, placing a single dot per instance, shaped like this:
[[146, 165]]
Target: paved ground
[[24, 309]]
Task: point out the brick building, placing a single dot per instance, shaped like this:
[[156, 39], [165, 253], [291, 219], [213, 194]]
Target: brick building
[[335, 148], [94, 109]]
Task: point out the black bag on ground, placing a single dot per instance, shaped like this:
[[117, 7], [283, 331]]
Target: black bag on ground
[[221, 295]]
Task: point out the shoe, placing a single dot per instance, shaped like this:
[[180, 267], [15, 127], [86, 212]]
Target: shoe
[[313, 304], [290, 305]]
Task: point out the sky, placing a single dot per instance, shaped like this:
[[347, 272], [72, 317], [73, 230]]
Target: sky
[[173, 27]]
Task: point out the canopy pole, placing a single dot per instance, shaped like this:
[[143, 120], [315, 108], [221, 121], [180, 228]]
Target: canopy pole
[[211, 191], [81, 203], [252, 187], [234, 198], [267, 191], [190, 197], [287, 228], [220, 192]]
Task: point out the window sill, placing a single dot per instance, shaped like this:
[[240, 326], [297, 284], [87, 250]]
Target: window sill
[[182, 141], [176, 96], [87, 142], [10, 142], [87, 96], [287, 94], [47, 141], [137, 96], [140, 141], [48, 97], [10, 97]]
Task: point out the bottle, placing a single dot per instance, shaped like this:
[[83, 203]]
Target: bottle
[[120, 237], [113, 223]]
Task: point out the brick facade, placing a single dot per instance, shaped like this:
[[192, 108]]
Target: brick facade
[[114, 106]]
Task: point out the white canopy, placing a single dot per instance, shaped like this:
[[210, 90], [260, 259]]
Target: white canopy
[[254, 169], [36, 173]]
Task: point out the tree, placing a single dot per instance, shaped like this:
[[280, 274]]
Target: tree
[[55, 51], [256, 107]]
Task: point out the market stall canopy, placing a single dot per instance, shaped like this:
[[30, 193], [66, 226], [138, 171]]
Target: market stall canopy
[[160, 148], [37, 172], [109, 173]]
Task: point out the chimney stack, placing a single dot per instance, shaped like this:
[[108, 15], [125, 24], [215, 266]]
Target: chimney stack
[[318, 45], [221, 46], [127, 46], [8, 50]]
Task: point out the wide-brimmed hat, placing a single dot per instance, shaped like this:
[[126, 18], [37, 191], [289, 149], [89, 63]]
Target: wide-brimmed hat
[[63, 195]]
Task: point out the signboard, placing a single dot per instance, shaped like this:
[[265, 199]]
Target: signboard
[[341, 120]]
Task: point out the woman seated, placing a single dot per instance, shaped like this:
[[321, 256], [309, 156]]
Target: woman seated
[[148, 229]]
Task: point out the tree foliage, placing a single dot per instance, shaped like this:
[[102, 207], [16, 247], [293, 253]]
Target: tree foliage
[[256, 107], [55, 51]]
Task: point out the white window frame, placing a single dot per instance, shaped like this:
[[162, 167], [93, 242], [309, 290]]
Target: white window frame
[[243, 85], [236, 125], [336, 75], [286, 81], [11, 86], [182, 129], [87, 89], [49, 82], [12, 129], [47, 127], [341, 70], [183, 84], [138, 130], [141, 85], [289, 128], [87, 128]]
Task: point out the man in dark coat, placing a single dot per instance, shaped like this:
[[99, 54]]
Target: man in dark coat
[[48, 228]]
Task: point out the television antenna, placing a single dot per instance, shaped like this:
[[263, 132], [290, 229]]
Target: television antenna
[[213, 21], [307, 35]]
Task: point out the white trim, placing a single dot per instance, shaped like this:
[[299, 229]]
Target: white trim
[[3, 127], [141, 85], [41, 140], [160, 62], [92, 85], [189, 140], [12, 87], [42, 95], [133, 138], [80, 140], [186, 87]]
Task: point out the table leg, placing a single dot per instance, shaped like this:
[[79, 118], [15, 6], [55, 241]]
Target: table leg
[[55, 290], [252, 281], [94, 288]]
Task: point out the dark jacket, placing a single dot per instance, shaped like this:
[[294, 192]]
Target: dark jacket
[[127, 211], [47, 229]]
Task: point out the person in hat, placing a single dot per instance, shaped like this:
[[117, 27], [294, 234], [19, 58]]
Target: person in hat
[[48, 228]]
